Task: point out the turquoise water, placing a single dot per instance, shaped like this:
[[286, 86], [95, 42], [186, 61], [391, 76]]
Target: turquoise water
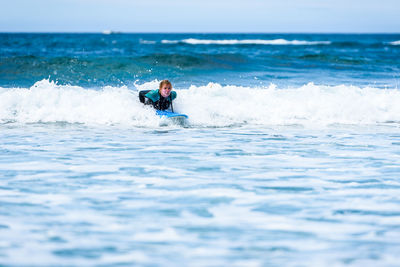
[[195, 59], [285, 160]]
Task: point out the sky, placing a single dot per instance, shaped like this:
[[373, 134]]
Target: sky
[[265, 16]]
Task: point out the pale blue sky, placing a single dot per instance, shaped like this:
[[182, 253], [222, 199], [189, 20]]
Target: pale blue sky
[[345, 16]]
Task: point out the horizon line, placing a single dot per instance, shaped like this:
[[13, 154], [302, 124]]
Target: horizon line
[[111, 32]]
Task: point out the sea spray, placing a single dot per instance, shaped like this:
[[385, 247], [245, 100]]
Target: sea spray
[[211, 105], [48, 102], [309, 105]]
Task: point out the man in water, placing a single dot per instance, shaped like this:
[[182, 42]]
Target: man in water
[[160, 99]]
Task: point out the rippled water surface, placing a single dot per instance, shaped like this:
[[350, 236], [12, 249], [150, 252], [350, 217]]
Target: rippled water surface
[[89, 60], [290, 155], [194, 196]]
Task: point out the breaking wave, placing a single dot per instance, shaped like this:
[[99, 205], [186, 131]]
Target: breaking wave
[[193, 41], [211, 105]]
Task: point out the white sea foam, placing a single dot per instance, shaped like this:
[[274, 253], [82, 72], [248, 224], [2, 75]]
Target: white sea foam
[[48, 102], [395, 42], [211, 105], [246, 41], [216, 105]]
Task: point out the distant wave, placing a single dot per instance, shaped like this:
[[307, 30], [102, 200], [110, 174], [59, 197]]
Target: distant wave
[[147, 42], [245, 42], [211, 105], [395, 43]]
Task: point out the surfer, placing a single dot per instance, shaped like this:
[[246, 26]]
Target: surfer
[[160, 99]]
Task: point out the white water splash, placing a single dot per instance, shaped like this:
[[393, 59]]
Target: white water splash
[[212, 105]]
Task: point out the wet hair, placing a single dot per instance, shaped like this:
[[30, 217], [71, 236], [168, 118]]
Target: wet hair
[[165, 82]]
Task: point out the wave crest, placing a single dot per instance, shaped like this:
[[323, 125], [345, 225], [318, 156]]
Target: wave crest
[[212, 105], [193, 41], [309, 105], [48, 102]]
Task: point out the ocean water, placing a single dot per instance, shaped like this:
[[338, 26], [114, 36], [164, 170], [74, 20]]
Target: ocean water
[[290, 155]]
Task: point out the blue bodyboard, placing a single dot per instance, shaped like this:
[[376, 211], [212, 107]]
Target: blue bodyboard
[[169, 114]]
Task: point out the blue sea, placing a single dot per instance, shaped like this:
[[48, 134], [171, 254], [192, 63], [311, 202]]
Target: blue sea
[[290, 155]]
